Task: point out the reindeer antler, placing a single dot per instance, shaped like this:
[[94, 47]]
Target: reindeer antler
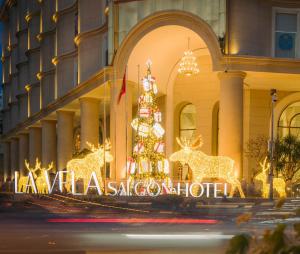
[[197, 143]]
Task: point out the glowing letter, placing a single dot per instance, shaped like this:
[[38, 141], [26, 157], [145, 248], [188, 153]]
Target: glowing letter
[[94, 177]]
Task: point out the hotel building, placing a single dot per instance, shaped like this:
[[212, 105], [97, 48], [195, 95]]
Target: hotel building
[[64, 60]]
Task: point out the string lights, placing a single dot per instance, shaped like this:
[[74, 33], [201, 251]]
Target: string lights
[[204, 166], [278, 183]]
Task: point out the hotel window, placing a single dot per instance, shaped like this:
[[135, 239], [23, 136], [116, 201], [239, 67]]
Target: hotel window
[[187, 122], [286, 34], [289, 122]]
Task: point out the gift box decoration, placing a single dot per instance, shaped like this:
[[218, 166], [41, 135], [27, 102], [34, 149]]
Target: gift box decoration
[[143, 130], [157, 116], [145, 166], [163, 166], [131, 166], [147, 85], [158, 130], [159, 147], [139, 148], [145, 112]]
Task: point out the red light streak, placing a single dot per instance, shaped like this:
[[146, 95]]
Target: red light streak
[[134, 220]]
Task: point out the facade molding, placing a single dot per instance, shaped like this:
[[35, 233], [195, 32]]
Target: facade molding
[[32, 50], [64, 11], [261, 64], [99, 78], [29, 16], [82, 36], [57, 59], [42, 35]]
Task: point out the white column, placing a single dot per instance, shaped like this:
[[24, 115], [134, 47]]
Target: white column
[[65, 125], [49, 143], [14, 158], [6, 162], [35, 145], [23, 151], [89, 121], [231, 116], [120, 130]]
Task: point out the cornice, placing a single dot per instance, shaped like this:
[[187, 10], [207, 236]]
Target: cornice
[[4, 58], [28, 87], [29, 16], [22, 31], [42, 74], [75, 93], [57, 59], [90, 33], [286, 3], [261, 64], [20, 64], [12, 103], [64, 11], [32, 50], [20, 95], [42, 35], [13, 75]]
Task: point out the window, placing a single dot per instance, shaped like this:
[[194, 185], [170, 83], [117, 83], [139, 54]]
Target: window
[[187, 123], [289, 122], [286, 34]]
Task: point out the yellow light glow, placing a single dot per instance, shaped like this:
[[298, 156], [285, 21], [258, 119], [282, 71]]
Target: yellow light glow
[[278, 183], [39, 177], [92, 162], [204, 166]]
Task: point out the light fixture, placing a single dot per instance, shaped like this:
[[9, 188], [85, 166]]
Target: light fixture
[[188, 65]]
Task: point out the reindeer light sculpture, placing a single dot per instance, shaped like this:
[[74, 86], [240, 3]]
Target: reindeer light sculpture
[[39, 178], [92, 162], [204, 166], [278, 183]]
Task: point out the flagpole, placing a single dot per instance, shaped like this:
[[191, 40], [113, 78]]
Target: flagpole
[[138, 110], [115, 120], [104, 122], [126, 116]]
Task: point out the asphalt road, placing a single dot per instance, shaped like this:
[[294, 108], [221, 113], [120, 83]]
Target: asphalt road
[[67, 226]]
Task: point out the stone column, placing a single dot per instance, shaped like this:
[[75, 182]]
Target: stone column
[[6, 162], [49, 143], [14, 158], [35, 145], [23, 151], [120, 134], [64, 138], [231, 116], [89, 121]]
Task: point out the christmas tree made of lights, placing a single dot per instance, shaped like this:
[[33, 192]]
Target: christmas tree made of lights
[[148, 160]]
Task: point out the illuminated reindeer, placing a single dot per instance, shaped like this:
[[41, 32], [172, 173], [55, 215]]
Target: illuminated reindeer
[[278, 183], [40, 180], [204, 166], [92, 162]]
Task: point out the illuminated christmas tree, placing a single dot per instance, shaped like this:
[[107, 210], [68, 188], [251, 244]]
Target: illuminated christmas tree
[[148, 160]]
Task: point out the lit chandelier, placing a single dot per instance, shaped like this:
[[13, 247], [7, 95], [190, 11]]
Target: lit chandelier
[[188, 65]]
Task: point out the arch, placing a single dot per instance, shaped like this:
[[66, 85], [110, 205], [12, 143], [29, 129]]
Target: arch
[[164, 18], [281, 106]]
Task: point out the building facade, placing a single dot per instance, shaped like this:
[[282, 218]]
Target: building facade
[[64, 60]]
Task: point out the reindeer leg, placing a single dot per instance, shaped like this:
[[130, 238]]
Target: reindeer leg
[[238, 185]]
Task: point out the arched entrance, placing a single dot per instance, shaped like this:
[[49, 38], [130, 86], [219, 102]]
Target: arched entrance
[[163, 38]]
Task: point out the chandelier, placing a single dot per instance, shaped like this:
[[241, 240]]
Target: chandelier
[[188, 65]]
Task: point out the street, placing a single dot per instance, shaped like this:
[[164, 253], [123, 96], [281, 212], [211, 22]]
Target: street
[[59, 224]]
